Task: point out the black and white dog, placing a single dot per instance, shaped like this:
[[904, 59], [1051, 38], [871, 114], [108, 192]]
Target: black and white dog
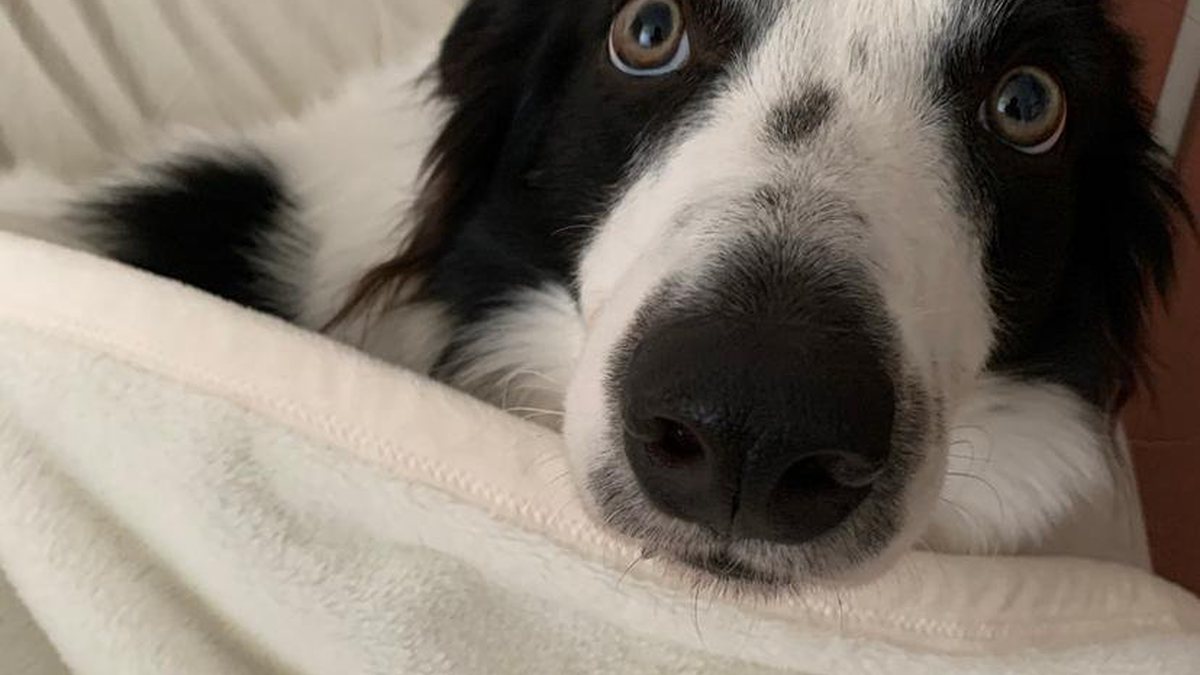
[[805, 282]]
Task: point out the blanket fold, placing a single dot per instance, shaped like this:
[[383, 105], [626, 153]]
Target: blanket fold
[[186, 486]]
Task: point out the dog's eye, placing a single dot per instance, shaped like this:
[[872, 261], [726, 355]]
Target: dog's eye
[[649, 38], [1027, 110]]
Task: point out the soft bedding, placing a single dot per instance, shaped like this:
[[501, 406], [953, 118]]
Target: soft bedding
[[186, 486]]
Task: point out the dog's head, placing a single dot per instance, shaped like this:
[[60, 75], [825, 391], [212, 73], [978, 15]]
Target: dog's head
[[799, 232]]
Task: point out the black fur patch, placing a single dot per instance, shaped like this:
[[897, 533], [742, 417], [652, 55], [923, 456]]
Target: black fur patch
[[792, 122], [542, 134], [1080, 237], [210, 222]]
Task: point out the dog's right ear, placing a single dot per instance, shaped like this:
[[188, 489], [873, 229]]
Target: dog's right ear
[[486, 47], [484, 72], [481, 71]]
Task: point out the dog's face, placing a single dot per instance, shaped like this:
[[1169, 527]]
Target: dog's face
[[798, 233]]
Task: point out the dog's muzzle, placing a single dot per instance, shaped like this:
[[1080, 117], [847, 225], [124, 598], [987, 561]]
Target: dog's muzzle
[[764, 418]]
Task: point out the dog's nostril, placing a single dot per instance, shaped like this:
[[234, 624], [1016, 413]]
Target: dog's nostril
[[828, 471], [806, 476], [811, 497], [674, 445], [847, 469]]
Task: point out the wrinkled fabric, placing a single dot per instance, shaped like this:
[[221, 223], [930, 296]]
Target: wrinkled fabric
[[186, 486]]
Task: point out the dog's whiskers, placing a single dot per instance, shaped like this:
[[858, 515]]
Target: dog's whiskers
[[527, 412], [966, 517], [642, 557]]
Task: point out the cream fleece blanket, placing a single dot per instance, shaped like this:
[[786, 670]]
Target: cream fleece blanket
[[186, 487]]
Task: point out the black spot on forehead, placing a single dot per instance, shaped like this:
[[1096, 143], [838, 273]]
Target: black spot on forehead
[[799, 117]]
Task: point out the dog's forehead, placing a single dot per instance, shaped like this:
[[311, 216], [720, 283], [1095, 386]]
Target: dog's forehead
[[890, 18], [880, 58], [771, 11], [865, 35]]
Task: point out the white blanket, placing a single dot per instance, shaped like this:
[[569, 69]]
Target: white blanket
[[187, 487]]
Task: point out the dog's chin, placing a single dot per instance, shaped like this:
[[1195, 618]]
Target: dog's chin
[[863, 547], [856, 552], [727, 573], [762, 569]]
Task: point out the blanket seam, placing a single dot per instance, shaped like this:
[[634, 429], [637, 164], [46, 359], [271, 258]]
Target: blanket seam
[[237, 389]]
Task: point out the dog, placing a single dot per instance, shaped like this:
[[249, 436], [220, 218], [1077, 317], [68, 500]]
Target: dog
[[804, 283]]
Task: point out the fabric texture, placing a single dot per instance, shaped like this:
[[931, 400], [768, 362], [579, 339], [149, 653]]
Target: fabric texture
[[188, 487], [86, 81]]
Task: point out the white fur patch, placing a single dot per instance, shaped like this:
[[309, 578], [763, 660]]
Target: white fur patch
[[412, 335], [523, 356], [1025, 459], [35, 205], [352, 166]]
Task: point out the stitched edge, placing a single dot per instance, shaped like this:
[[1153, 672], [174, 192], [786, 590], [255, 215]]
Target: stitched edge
[[136, 353]]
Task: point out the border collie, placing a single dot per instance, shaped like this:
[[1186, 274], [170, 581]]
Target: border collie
[[806, 283]]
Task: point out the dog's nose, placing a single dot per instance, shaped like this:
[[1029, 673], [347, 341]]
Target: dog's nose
[[765, 431]]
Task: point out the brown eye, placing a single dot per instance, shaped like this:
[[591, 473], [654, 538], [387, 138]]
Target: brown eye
[[1028, 110], [648, 38]]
